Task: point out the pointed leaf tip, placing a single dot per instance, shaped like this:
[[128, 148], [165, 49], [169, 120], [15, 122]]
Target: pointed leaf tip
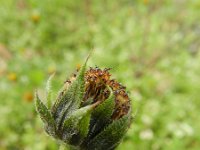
[[89, 55], [72, 98], [49, 90]]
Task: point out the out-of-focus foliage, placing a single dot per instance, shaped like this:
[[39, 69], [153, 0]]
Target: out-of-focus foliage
[[152, 46]]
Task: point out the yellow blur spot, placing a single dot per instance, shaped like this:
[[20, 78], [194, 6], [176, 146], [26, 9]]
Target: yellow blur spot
[[145, 2], [78, 66], [35, 17], [12, 76]]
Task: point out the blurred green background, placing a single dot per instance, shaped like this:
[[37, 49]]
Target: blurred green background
[[153, 47]]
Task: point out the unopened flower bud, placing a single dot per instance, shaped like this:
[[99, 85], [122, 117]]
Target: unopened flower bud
[[92, 111]]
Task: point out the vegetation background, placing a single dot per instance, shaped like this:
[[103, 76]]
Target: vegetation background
[[153, 47]]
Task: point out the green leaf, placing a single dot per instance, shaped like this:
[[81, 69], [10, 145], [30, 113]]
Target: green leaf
[[76, 127], [46, 116], [111, 136], [71, 100], [101, 116], [49, 91]]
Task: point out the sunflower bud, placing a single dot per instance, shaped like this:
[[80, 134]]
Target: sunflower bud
[[92, 111]]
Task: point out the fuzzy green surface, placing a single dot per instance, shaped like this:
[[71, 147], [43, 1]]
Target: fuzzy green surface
[[152, 46]]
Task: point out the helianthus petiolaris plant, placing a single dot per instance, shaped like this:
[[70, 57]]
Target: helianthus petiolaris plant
[[91, 112]]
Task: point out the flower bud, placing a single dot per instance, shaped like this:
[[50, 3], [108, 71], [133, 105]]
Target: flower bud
[[92, 111]]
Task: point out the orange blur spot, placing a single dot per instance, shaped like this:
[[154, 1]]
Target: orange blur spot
[[28, 96]]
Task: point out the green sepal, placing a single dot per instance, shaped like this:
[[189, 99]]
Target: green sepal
[[71, 100], [76, 127], [111, 136], [101, 115], [46, 116]]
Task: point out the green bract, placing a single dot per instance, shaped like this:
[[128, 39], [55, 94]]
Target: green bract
[[82, 127]]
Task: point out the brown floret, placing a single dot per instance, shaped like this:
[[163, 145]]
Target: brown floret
[[97, 81], [122, 104], [95, 84]]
